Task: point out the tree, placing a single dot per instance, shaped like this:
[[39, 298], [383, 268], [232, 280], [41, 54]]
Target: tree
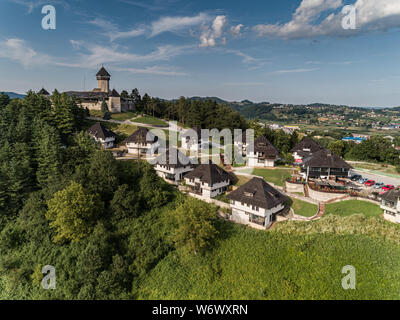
[[124, 94], [337, 147], [195, 222], [73, 212], [4, 100], [125, 203]]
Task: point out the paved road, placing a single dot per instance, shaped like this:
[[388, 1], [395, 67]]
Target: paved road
[[378, 178]]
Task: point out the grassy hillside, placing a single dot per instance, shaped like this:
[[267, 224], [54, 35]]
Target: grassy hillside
[[295, 261], [350, 207]]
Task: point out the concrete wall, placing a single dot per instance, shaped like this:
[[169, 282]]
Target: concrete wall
[[323, 196], [294, 188]]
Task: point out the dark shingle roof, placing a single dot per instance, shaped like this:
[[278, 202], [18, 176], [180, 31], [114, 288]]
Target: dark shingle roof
[[258, 193], [261, 144], [326, 159], [100, 132], [140, 136], [392, 195], [44, 92], [114, 93], [209, 173], [307, 144], [103, 73], [88, 95], [176, 159]]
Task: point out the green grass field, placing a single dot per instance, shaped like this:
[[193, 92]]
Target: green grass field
[[276, 176], [123, 116], [151, 121], [350, 207], [294, 261], [303, 208]]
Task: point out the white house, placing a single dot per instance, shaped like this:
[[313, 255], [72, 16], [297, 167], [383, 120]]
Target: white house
[[256, 202], [172, 165], [304, 149], [391, 205], [191, 139], [208, 180], [263, 155], [102, 135], [140, 141]]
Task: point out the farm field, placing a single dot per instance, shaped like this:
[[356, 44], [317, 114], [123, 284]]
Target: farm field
[[295, 261], [351, 207]]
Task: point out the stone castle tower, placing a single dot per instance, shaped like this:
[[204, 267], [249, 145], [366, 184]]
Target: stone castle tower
[[103, 80]]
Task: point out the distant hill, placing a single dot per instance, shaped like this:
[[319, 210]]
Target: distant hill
[[14, 95]]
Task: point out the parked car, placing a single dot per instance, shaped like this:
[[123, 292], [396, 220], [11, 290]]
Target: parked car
[[356, 177], [369, 183], [379, 185], [388, 188], [362, 181]]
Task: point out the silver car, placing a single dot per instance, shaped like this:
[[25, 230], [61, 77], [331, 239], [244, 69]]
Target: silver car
[[378, 185]]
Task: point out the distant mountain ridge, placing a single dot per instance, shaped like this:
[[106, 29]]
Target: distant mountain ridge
[[14, 95]]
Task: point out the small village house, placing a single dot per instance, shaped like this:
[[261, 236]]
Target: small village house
[[208, 180], [264, 154], [256, 202], [304, 149], [191, 139], [325, 164], [141, 141], [172, 165], [102, 135], [391, 205]]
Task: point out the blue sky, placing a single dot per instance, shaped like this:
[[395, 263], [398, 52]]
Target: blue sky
[[278, 51]]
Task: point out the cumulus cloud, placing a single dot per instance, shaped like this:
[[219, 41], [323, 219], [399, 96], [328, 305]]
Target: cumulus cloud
[[236, 30], [209, 36], [173, 24], [307, 21], [18, 50]]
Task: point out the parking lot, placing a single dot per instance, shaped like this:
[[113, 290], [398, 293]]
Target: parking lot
[[378, 178]]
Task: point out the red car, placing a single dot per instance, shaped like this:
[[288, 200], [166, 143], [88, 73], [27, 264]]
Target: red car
[[387, 188], [370, 183]]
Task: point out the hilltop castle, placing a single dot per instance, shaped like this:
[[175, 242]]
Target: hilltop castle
[[93, 99]]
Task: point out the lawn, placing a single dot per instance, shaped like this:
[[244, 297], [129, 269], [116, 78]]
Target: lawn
[[294, 261], [123, 116], [303, 208], [277, 176], [350, 207], [151, 121]]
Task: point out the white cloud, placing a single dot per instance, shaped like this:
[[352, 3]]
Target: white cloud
[[173, 24], [236, 30], [287, 71], [33, 4], [18, 50], [372, 15], [209, 36], [112, 30], [154, 70]]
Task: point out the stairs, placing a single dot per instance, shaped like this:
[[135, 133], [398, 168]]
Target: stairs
[[306, 191]]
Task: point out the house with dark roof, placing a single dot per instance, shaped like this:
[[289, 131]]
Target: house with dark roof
[[208, 180], [94, 99], [141, 141], [391, 205], [192, 140], [262, 154], [44, 92], [102, 135], [304, 149], [172, 165], [257, 202], [324, 164]]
